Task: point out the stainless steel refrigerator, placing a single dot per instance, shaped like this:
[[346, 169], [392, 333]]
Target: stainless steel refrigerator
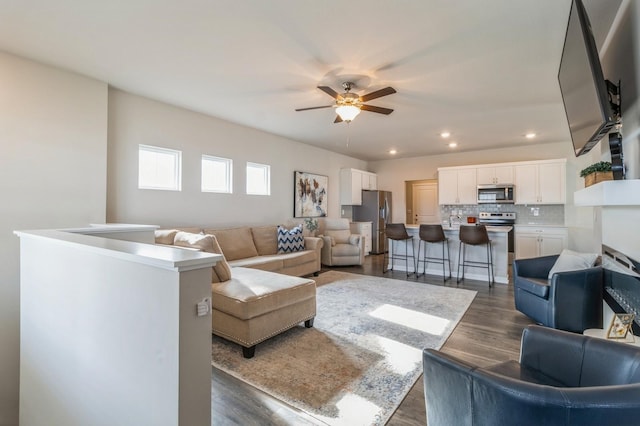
[[375, 208]]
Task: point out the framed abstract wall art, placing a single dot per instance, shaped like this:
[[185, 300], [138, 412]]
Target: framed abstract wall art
[[310, 195]]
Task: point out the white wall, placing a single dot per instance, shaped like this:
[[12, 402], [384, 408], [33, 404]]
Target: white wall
[[110, 334], [620, 58], [135, 120], [53, 142]]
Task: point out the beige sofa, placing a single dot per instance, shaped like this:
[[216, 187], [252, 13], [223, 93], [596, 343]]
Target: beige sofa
[[254, 300], [257, 247]]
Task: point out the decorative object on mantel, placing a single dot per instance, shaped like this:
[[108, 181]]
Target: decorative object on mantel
[[620, 327], [596, 173]]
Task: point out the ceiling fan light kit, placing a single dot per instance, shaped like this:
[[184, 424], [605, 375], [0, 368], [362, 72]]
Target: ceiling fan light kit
[[347, 112], [348, 105]]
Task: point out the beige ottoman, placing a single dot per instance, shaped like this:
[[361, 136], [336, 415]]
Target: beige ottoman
[[255, 305]]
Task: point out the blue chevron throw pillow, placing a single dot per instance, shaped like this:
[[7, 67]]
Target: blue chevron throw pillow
[[290, 241]]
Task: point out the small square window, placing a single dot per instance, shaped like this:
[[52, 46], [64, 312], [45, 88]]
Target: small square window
[[159, 168], [217, 174], [258, 179]]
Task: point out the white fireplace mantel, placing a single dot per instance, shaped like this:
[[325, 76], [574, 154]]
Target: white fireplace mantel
[[609, 193]]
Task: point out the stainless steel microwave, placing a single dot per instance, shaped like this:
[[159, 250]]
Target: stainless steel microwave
[[496, 194]]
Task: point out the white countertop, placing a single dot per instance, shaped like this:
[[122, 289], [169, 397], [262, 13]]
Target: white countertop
[[497, 229]]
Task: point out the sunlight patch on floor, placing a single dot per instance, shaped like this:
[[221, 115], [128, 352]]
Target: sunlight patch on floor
[[413, 319], [401, 358], [352, 409]]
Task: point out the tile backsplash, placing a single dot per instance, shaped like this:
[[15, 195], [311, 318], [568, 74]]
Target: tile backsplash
[[525, 214]]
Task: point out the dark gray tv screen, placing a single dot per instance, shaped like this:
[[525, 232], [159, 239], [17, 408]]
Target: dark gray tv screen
[[582, 84]]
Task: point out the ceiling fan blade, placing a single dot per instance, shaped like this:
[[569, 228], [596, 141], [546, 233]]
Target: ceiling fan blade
[[329, 91], [338, 119], [378, 94], [306, 109], [379, 110]]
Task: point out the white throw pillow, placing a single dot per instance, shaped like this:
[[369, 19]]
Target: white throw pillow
[[570, 260], [290, 240]]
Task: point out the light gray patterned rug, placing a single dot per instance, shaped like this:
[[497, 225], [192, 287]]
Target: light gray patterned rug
[[364, 353]]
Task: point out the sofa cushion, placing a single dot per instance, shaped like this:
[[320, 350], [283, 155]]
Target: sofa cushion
[[290, 240], [265, 239], [340, 236], [298, 258], [269, 262], [252, 292], [165, 236], [209, 244], [192, 230], [538, 287], [236, 243], [570, 260]]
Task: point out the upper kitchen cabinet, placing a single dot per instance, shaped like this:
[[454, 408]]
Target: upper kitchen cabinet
[[457, 186], [540, 182], [352, 182], [369, 181], [492, 175]]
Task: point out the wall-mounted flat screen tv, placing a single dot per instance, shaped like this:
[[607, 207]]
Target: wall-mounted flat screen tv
[[582, 84]]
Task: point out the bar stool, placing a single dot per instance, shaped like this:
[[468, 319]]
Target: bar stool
[[475, 236], [433, 234], [398, 232]]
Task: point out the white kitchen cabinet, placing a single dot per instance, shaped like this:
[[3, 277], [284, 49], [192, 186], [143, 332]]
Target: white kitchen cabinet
[[369, 181], [541, 182], [457, 186], [364, 229], [352, 182], [492, 175], [536, 241]]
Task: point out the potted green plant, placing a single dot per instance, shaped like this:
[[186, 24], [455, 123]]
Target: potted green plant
[[311, 225], [597, 172]]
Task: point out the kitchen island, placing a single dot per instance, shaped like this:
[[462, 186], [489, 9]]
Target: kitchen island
[[499, 246]]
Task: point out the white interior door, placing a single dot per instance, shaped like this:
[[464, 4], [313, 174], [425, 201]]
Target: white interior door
[[425, 203]]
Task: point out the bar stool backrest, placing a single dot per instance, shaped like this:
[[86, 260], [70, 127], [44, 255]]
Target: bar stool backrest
[[397, 231], [432, 233], [474, 235]]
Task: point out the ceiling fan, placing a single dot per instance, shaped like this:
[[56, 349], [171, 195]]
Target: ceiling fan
[[348, 105]]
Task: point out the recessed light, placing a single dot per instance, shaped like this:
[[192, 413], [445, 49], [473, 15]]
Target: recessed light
[[452, 144], [393, 152], [445, 134], [530, 135]]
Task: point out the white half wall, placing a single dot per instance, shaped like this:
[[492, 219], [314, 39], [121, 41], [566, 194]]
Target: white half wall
[[53, 145], [135, 120]]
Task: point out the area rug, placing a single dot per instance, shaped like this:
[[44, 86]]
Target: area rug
[[364, 353]]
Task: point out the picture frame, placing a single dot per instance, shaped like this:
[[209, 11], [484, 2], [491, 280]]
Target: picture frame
[[310, 194], [620, 326]]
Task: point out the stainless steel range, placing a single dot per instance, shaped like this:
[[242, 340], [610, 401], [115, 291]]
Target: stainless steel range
[[501, 219], [497, 219]]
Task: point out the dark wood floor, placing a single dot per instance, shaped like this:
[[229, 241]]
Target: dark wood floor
[[488, 333]]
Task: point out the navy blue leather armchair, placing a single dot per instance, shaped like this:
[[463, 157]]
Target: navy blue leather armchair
[[562, 379], [570, 301]]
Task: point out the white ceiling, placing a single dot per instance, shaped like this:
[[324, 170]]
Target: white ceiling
[[484, 70]]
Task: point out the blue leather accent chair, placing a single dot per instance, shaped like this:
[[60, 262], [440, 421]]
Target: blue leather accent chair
[[570, 301], [562, 379]]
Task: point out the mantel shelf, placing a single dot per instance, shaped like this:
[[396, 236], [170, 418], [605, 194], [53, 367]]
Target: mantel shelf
[[610, 193]]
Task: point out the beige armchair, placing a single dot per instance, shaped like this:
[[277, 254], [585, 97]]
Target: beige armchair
[[340, 247]]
